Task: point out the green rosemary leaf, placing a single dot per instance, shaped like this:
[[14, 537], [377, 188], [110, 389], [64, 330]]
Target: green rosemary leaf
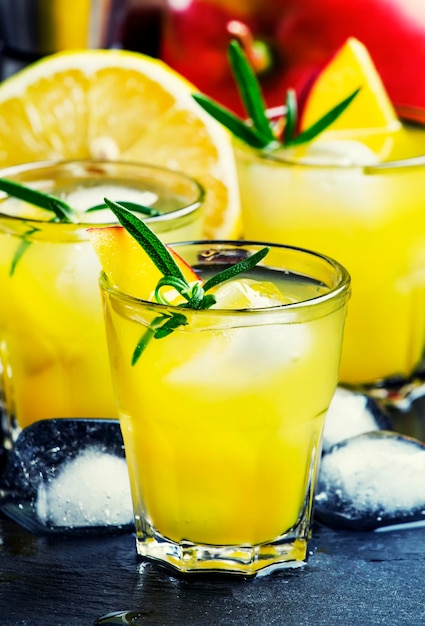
[[196, 296], [259, 132], [20, 251], [249, 90], [207, 301], [63, 212], [23, 247], [291, 116], [148, 335], [234, 124], [153, 246], [173, 322], [143, 342], [323, 123], [238, 268], [131, 206], [179, 285], [158, 331], [38, 198]]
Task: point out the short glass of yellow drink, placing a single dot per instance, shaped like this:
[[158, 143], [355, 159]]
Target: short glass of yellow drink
[[337, 199], [222, 417], [53, 355]]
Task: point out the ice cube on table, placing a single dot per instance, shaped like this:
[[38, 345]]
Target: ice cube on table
[[91, 489], [41, 463], [350, 414], [373, 480]]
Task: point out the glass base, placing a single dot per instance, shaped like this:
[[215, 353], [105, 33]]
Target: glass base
[[186, 557]]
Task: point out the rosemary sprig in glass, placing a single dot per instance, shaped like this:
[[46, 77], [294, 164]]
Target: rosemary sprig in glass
[[61, 211], [258, 131], [195, 293]]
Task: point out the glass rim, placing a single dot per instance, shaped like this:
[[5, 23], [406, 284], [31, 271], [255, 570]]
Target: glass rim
[[278, 156], [414, 162], [341, 290], [35, 166]]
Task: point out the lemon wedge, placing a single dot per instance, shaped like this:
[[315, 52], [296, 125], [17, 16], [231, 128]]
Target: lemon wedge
[[351, 68], [116, 104]]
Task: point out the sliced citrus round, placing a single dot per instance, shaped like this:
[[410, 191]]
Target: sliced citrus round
[[117, 104], [127, 265], [349, 69]]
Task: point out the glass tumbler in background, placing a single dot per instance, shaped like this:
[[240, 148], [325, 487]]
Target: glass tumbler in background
[[53, 355], [337, 199], [222, 419]]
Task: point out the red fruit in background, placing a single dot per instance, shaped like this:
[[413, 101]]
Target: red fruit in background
[[300, 36]]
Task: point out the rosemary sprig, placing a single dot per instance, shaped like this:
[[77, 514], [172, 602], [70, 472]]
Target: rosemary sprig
[[21, 249], [131, 206], [232, 122], [258, 131], [250, 90], [145, 237], [291, 116], [194, 294], [62, 212], [157, 330], [321, 124], [39, 198]]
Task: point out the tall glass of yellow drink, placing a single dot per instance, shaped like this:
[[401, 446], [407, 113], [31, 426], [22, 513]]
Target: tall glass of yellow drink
[[335, 170], [337, 199], [53, 355], [222, 418]]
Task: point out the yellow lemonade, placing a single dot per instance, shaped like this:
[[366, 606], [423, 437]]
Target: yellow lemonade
[[335, 170], [222, 418], [339, 196], [53, 355]]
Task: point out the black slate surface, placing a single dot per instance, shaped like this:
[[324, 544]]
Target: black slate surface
[[351, 578]]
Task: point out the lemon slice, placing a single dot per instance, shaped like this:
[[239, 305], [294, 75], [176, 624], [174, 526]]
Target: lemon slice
[[350, 68], [127, 265], [116, 104]]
